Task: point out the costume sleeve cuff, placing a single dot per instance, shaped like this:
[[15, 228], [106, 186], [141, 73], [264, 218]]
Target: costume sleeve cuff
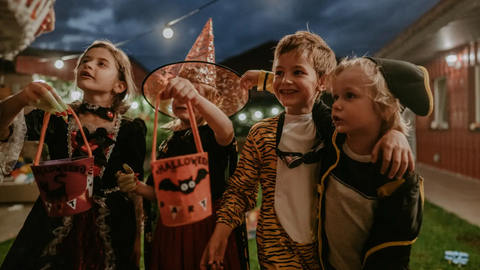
[[265, 81], [230, 222], [11, 149]]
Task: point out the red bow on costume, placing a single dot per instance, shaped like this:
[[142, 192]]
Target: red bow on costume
[[99, 142], [91, 142]]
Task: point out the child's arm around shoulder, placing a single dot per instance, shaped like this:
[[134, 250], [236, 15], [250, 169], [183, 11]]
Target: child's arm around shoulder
[[397, 223], [395, 152], [262, 79]]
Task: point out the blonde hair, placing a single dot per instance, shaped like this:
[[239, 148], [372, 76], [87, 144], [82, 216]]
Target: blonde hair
[[384, 102], [311, 47], [122, 101], [206, 91]]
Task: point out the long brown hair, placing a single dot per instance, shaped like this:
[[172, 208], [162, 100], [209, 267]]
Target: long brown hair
[[122, 101]]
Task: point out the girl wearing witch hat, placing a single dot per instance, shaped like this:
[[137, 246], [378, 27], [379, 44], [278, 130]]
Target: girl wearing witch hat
[[215, 94]]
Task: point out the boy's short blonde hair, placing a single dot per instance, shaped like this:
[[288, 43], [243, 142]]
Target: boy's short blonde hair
[[122, 101], [310, 46], [384, 102]]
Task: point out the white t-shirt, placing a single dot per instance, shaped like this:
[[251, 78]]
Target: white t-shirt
[[349, 213], [296, 197]]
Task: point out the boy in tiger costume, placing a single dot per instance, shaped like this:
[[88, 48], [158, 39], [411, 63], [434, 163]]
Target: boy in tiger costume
[[273, 156]]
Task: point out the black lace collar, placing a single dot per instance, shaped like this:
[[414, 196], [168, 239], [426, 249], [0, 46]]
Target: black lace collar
[[104, 113]]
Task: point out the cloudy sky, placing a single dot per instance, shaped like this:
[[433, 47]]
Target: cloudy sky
[[349, 26]]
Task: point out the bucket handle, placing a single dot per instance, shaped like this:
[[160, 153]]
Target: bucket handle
[[193, 124], [46, 119]]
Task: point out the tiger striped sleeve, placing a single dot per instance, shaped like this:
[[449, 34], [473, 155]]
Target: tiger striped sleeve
[[242, 188]]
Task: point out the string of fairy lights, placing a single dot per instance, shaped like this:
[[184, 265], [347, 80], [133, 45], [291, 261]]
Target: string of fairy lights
[[168, 32]]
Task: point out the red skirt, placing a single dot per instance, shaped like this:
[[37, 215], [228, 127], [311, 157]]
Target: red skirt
[[181, 248]]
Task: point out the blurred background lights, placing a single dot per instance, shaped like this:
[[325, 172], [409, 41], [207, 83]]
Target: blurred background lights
[[242, 117], [75, 95], [275, 111], [59, 64]]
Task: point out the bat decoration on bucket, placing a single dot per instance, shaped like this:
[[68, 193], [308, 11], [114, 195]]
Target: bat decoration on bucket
[[185, 186], [55, 194]]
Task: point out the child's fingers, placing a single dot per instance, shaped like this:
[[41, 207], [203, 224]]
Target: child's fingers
[[127, 182], [127, 187], [50, 99], [411, 162], [123, 178], [395, 163], [181, 95], [403, 165], [172, 89], [63, 105], [246, 83], [167, 92], [387, 159], [59, 100], [127, 169], [182, 98], [44, 106]]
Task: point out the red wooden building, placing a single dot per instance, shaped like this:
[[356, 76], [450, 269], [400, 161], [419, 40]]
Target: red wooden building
[[446, 41]]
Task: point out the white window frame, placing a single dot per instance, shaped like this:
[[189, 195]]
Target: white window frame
[[477, 94], [476, 124], [440, 120]]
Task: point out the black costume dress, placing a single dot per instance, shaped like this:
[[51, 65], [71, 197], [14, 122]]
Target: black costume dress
[[181, 248], [102, 237]]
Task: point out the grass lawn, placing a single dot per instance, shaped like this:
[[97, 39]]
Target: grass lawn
[[441, 231], [4, 247], [444, 231], [252, 252]]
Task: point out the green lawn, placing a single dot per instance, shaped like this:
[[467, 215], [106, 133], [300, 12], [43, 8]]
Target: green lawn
[[252, 252], [441, 231], [444, 231], [4, 247]]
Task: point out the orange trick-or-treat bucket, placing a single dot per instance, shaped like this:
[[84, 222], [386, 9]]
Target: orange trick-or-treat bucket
[[65, 185], [182, 183]]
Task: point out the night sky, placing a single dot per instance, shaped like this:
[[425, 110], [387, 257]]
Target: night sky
[[350, 27]]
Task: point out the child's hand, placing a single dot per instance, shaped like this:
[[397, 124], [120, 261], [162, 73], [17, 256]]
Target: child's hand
[[215, 250], [249, 79], [213, 254], [396, 152], [44, 97], [182, 90], [127, 182]]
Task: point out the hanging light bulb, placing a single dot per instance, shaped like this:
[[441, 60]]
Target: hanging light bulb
[[168, 32]]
